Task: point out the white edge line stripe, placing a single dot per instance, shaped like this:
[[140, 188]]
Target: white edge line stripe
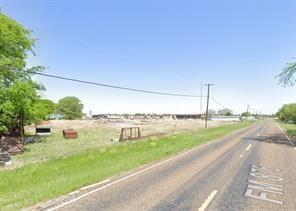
[[96, 184], [89, 186], [76, 191], [286, 135], [208, 201], [249, 147], [125, 178]]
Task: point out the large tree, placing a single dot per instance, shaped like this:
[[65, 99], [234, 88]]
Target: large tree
[[42, 109], [287, 76], [70, 107], [246, 114], [18, 92], [225, 112], [288, 113]]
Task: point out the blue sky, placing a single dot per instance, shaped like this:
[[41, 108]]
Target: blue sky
[[169, 46]]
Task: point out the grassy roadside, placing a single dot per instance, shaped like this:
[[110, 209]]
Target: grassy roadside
[[55, 146], [33, 183], [289, 128]]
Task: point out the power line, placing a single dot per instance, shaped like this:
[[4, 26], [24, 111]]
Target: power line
[[122, 88], [115, 87], [216, 101]]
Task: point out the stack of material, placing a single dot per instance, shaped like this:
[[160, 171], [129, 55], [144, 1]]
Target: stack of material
[[70, 134], [5, 159], [12, 145]]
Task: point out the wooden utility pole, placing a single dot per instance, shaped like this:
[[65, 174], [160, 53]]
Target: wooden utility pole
[[248, 106], [200, 100], [208, 99]]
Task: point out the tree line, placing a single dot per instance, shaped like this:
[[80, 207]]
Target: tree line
[[287, 113], [69, 107], [20, 100]]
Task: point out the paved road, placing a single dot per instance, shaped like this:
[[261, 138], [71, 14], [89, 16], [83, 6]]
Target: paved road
[[252, 169]]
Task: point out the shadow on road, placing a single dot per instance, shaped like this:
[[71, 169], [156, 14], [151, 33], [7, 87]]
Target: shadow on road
[[275, 138]]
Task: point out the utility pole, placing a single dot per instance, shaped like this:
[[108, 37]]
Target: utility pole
[[248, 107], [208, 99], [200, 99]]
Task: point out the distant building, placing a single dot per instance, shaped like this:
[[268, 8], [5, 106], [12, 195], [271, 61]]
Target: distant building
[[248, 118], [140, 116], [233, 118], [167, 116], [188, 116], [107, 116], [99, 116]]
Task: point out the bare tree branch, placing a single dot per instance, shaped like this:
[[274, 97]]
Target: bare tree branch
[[287, 76]]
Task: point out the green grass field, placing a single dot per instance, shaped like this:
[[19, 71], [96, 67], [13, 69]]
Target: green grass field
[[289, 128], [55, 146], [32, 183]]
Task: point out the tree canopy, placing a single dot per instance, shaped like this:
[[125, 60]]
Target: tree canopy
[[287, 76], [287, 113], [18, 92], [246, 114], [225, 112], [42, 109], [16, 44], [70, 107]]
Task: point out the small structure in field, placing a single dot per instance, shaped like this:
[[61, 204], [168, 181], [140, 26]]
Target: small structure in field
[[43, 130], [70, 134], [130, 133]]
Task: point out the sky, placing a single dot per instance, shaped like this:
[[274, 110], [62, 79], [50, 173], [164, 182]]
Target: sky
[[165, 46]]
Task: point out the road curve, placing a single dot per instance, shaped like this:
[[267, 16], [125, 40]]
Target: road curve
[[252, 169]]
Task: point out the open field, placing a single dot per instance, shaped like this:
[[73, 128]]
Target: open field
[[95, 134], [37, 182]]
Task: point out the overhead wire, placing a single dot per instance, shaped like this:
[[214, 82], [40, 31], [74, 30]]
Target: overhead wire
[[216, 101], [116, 87], [122, 87]]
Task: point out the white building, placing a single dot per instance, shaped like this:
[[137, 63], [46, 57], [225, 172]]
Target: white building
[[233, 118]]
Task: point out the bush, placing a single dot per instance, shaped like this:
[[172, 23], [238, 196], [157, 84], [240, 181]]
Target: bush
[[288, 113]]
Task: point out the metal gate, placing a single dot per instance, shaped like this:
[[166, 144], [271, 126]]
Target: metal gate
[[130, 133]]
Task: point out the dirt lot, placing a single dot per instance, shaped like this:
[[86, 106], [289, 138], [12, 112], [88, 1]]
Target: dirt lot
[[95, 134], [148, 127]]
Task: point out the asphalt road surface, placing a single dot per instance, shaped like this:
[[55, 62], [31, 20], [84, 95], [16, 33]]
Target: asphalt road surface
[[252, 169]]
